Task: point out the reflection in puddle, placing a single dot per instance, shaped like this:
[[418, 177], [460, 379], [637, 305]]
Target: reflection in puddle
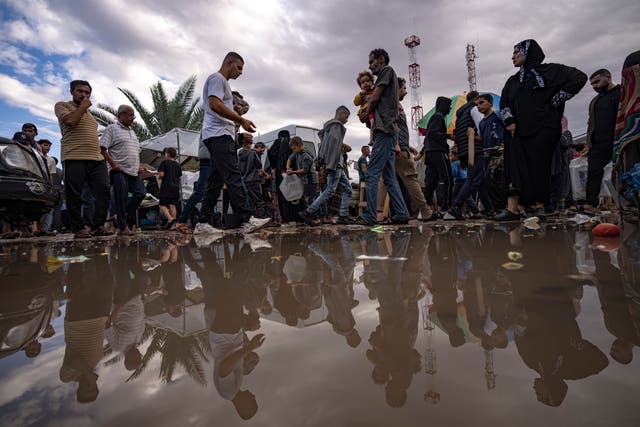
[[402, 302]]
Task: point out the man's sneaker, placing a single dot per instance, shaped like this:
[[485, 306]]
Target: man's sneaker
[[345, 220], [204, 228], [254, 223], [306, 217], [361, 221], [453, 214]]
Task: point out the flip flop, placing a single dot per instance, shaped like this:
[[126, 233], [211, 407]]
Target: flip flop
[[170, 224]]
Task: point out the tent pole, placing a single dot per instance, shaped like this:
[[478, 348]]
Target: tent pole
[[180, 163]]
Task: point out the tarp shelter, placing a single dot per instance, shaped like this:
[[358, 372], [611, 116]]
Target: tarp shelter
[[184, 141]]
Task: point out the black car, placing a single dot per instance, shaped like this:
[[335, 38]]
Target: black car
[[26, 193]]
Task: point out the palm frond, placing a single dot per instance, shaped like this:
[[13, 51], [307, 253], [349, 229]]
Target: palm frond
[[161, 107], [147, 117]]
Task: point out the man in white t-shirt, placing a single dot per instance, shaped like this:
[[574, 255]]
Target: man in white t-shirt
[[218, 135]]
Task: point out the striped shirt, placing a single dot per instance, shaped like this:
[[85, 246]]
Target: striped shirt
[[79, 142], [122, 144]]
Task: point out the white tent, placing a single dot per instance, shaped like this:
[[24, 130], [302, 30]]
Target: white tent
[[184, 141]]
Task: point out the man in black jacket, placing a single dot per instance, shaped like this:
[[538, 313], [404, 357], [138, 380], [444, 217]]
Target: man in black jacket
[[600, 131], [436, 154], [464, 121]]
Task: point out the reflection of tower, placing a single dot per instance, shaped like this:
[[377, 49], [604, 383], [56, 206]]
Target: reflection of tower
[[471, 57], [430, 358], [414, 80], [489, 373]]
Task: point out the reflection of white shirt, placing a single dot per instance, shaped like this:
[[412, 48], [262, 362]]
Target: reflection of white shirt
[[222, 345], [128, 326]]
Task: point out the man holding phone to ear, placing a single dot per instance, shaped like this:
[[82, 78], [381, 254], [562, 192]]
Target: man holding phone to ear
[[83, 162]]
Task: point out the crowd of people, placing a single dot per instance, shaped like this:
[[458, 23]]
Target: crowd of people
[[505, 162]]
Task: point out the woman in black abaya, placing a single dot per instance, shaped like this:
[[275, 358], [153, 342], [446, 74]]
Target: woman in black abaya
[[532, 105], [278, 154]]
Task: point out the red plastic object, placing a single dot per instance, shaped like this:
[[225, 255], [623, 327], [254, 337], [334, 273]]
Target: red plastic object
[[606, 230]]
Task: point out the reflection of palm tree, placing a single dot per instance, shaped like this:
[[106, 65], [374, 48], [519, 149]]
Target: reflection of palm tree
[[182, 111], [186, 351]]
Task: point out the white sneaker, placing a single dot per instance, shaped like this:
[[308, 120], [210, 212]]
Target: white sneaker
[[204, 228], [254, 223], [256, 243], [205, 240]]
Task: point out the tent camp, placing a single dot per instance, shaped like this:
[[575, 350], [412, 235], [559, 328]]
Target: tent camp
[[184, 141]]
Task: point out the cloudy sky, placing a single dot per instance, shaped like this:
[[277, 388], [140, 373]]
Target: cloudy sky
[[301, 57]]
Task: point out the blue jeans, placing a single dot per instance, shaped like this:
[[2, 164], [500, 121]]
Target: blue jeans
[[334, 178], [383, 163], [198, 193], [126, 208]]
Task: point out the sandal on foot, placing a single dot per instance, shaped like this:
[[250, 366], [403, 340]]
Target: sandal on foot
[[101, 232], [82, 234]]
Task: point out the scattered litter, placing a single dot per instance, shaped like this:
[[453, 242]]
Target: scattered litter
[[71, 259], [379, 258], [532, 223], [276, 258], [378, 229], [580, 219], [256, 243], [132, 275], [515, 256], [149, 264], [512, 266]]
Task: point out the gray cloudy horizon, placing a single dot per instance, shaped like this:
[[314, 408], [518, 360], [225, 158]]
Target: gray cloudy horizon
[[301, 57]]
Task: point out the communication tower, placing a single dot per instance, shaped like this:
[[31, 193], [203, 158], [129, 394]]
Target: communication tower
[[415, 82]]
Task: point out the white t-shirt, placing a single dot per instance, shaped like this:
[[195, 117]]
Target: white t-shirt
[[477, 116], [222, 345], [214, 124]]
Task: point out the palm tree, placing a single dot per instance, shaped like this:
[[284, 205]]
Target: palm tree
[[182, 111], [190, 352]]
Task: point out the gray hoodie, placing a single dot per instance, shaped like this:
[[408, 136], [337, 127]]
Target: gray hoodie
[[331, 140]]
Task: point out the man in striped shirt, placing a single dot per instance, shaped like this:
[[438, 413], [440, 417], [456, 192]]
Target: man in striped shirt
[[120, 147], [83, 163]]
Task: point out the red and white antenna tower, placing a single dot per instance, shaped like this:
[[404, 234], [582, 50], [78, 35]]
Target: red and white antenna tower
[[415, 82]]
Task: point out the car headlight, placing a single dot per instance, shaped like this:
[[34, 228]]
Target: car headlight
[[16, 157]]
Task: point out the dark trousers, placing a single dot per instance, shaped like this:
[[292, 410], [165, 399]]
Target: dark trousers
[[476, 181], [469, 203], [93, 173], [126, 207], [598, 159], [198, 194], [257, 205], [438, 169], [224, 170]]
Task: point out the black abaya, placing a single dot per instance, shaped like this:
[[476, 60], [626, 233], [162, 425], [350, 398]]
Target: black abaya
[[533, 99]]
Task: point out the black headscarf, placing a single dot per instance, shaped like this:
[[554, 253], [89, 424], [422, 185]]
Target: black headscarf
[[533, 57], [443, 105]]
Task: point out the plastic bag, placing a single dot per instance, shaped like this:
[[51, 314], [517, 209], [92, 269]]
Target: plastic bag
[[578, 173], [292, 188]]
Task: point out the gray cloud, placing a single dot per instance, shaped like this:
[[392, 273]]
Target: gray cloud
[[302, 58]]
